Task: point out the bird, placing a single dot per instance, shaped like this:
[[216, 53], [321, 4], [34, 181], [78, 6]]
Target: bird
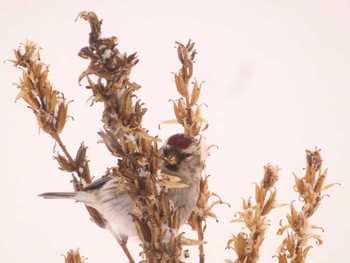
[[180, 156]]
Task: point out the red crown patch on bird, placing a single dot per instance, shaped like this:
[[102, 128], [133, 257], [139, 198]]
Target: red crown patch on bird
[[180, 140]]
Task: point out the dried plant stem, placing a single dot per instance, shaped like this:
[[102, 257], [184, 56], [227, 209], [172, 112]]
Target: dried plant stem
[[247, 245], [107, 75], [188, 114], [57, 138], [50, 108], [294, 248], [200, 235]]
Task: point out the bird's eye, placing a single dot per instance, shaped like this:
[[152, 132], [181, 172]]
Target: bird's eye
[[165, 152], [186, 155]]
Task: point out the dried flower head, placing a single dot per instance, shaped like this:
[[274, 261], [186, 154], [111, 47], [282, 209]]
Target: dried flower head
[[186, 108]]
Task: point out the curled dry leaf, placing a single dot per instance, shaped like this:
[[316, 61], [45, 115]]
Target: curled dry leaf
[[171, 181]]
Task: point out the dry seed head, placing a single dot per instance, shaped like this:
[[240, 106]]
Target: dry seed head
[[294, 247], [50, 109], [188, 114], [247, 245], [73, 256], [49, 106], [270, 176]]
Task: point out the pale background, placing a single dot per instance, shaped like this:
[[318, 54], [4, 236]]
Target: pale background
[[277, 82]]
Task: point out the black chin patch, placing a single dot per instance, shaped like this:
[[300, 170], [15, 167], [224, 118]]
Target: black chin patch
[[179, 155], [172, 167]]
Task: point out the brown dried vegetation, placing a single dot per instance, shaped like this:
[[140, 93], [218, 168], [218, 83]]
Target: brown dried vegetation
[[294, 247], [254, 216], [107, 76], [157, 221], [73, 256]]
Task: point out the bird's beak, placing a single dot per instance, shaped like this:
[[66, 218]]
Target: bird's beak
[[172, 160]]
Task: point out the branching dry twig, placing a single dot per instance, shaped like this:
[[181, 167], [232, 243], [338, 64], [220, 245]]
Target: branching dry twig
[[50, 108]]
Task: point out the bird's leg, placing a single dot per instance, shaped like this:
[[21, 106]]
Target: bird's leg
[[123, 245], [122, 242]]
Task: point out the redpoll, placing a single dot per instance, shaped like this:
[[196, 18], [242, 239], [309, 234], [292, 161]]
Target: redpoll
[[181, 157]]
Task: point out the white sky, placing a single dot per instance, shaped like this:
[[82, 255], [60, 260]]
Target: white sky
[[277, 82]]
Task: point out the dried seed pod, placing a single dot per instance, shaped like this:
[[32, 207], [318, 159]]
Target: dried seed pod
[[270, 204], [61, 118], [196, 90], [180, 85], [64, 164]]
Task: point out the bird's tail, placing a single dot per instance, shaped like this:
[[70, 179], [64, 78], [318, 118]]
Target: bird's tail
[[59, 195], [80, 196]]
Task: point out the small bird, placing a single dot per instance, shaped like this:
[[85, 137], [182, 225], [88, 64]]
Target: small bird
[[181, 157]]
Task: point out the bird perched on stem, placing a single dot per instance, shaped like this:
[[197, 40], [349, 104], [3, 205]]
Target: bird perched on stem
[[180, 156]]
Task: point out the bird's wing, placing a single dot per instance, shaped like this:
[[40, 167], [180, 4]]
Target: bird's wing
[[97, 183]]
